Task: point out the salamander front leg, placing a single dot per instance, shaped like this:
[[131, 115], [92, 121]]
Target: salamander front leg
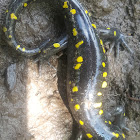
[[115, 37]]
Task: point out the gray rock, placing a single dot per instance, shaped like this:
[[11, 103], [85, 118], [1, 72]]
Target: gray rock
[[10, 77]]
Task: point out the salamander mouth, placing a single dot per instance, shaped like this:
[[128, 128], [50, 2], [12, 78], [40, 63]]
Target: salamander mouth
[[38, 22]]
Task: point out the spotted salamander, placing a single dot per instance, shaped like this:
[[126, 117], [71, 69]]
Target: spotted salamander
[[87, 66]]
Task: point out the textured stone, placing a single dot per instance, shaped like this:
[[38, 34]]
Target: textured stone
[[10, 77]]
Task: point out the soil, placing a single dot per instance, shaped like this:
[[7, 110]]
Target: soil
[[33, 100]]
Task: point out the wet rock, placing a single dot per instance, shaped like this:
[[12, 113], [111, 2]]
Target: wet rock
[[10, 77]]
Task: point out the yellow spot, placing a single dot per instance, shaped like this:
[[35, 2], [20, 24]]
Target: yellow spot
[[86, 11], [4, 29], [89, 14], [77, 107], [73, 11], [13, 16], [115, 134], [108, 28], [6, 11], [104, 84], [94, 26], [124, 114], [79, 43], [10, 36], [101, 112], [75, 89], [103, 49], [18, 47], [44, 51], [101, 42], [65, 4], [71, 100], [110, 122], [104, 74], [105, 121], [23, 49], [89, 135], [74, 32], [69, 82], [56, 45], [39, 51], [81, 122], [97, 105], [99, 94], [25, 4], [77, 66], [80, 59], [115, 33], [123, 135], [103, 64]]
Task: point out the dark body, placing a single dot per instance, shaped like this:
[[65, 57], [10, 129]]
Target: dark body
[[86, 78], [87, 68]]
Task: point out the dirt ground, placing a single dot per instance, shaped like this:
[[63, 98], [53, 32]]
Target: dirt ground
[[33, 102]]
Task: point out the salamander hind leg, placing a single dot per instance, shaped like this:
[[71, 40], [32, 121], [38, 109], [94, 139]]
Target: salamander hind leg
[[117, 122], [119, 114]]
